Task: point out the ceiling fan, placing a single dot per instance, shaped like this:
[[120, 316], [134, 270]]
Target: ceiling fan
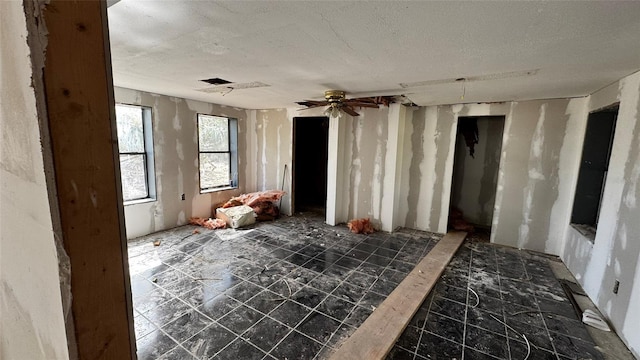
[[336, 101]]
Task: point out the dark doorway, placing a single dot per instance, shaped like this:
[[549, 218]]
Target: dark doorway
[[475, 171], [596, 153], [310, 154]]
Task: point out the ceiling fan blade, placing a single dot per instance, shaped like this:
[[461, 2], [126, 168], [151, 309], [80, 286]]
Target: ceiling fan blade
[[349, 110], [312, 103], [360, 104], [364, 100]]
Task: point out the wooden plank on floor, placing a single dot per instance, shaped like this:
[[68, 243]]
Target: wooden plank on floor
[[377, 335]]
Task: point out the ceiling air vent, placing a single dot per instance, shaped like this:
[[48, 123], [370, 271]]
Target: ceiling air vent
[[216, 81]]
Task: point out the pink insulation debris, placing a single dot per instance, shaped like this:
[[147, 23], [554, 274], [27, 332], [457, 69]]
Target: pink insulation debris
[[208, 223], [361, 226]]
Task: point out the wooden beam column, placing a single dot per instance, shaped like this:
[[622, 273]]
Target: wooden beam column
[[80, 107]]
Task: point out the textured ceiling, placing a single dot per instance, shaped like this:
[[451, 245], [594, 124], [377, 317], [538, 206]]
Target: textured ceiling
[[301, 49]]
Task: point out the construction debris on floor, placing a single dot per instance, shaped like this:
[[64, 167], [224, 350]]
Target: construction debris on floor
[[296, 288], [236, 216], [262, 203], [243, 210], [457, 221], [494, 302], [289, 289], [210, 224], [361, 226]]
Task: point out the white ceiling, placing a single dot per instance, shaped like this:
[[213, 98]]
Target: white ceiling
[[368, 48]]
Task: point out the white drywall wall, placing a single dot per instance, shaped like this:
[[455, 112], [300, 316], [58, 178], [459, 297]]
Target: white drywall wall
[[272, 145], [175, 143], [541, 140], [30, 301], [615, 253], [363, 153]]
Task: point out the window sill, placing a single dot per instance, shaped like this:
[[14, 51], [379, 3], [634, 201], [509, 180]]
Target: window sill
[[587, 231], [139, 201], [218, 189]]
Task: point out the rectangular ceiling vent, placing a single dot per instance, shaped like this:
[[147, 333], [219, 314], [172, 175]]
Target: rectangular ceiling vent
[[497, 76], [227, 87], [216, 81]]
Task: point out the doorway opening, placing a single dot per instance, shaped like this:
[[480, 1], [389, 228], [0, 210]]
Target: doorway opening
[[475, 174], [310, 156], [594, 166]]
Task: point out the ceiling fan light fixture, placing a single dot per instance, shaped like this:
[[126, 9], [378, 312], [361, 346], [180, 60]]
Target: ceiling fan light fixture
[[333, 111]]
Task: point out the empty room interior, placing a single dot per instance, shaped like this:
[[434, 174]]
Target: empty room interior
[[320, 180]]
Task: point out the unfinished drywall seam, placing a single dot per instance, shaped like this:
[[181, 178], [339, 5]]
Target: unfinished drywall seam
[[497, 207], [355, 169], [427, 168], [417, 129], [37, 39], [262, 146], [444, 139], [492, 150], [535, 175], [378, 174], [568, 168], [391, 182], [402, 177], [252, 148]]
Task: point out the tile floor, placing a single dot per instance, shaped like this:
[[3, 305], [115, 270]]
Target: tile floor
[[487, 299], [295, 288], [290, 289]]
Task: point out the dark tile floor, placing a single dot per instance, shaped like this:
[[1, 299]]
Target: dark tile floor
[[295, 288], [488, 300], [290, 289]]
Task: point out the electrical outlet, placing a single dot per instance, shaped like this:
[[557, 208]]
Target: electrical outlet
[[616, 286], [183, 198]]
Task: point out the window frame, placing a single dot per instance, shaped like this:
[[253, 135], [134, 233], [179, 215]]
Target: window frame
[[147, 155], [232, 142]]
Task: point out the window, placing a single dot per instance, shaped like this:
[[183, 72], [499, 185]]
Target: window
[[594, 166], [136, 152], [217, 147]]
